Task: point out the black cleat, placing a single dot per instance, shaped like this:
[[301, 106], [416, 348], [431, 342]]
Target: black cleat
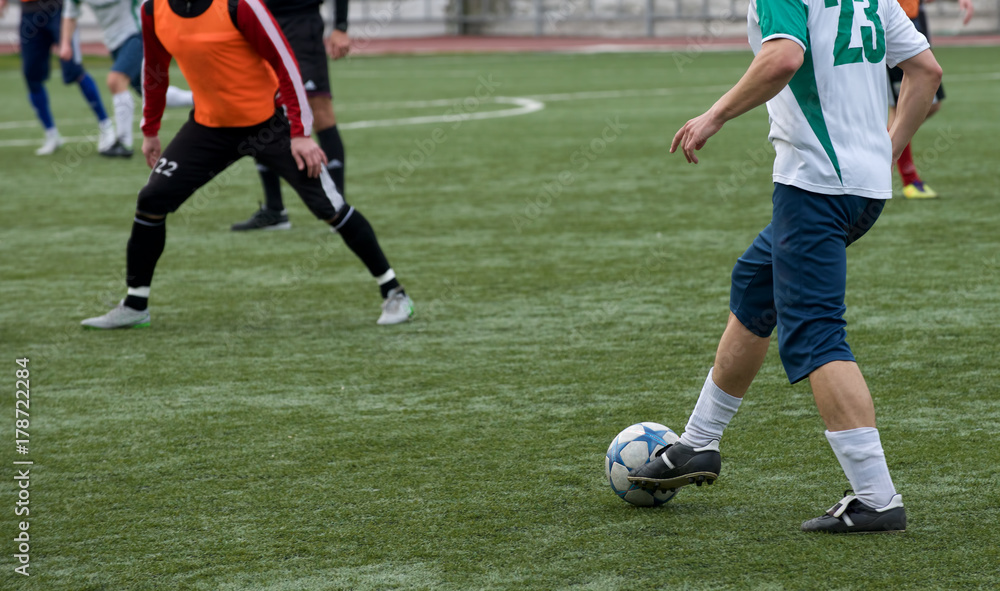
[[117, 150], [851, 516], [264, 219], [684, 465]]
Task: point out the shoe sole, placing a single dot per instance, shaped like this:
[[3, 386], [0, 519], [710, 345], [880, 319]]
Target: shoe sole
[[856, 533], [407, 319], [140, 325], [281, 226], [664, 484]]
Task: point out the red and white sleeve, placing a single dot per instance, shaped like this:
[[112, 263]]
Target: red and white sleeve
[[260, 29], [155, 74]]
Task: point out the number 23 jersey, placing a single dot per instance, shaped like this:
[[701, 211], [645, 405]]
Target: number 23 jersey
[[828, 126]]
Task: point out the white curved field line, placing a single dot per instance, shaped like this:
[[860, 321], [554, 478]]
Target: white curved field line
[[521, 106]]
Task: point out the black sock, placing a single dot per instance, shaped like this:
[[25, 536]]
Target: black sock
[[272, 188], [360, 238], [145, 246], [329, 140], [388, 286]]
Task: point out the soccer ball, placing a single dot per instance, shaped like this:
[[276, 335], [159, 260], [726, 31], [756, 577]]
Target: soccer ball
[[634, 447]]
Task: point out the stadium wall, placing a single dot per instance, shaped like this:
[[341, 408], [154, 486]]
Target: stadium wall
[[704, 20]]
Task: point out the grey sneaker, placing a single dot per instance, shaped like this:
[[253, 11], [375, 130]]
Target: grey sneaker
[[677, 465], [121, 316], [396, 308], [264, 219], [851, 516]]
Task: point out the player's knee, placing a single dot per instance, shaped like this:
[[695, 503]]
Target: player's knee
[[34, 74], [323, 117], [152, 201], [118, 82], [149, 217], [72, 76], [35, 86], [340, 217]]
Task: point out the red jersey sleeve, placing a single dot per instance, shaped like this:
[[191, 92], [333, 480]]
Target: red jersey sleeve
[[265, 36], [155, 74]]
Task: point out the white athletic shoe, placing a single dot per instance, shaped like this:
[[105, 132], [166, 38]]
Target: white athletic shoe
[[52, 142], [397, 307], [121, 316], [106, 137]]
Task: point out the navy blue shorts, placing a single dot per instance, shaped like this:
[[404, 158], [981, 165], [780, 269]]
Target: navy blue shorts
[[128, 61], [39, 32], [794, 275]]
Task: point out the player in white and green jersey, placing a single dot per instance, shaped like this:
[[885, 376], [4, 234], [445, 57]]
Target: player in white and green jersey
[[819, 65], [119, 21]]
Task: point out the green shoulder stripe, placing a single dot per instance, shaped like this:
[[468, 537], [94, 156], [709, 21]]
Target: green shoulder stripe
[[806, 93]]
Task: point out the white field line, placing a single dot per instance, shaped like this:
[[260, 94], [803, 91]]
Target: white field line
[[522, 106], [572, 96]]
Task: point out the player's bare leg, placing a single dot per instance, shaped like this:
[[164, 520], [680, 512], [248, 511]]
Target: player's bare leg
[[846, 406], [695, 458], [124, 112], [738, 358]]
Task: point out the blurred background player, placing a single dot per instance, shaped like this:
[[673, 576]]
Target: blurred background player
[[913, 185], [39, 31], [119, 20], [235, 59], [302, 24]]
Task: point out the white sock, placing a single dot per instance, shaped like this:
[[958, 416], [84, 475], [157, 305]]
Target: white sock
[[124, 106], [179, 98], [860, 454], [711, 415]]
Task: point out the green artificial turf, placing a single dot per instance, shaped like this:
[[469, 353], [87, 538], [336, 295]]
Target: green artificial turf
[[570, 278]]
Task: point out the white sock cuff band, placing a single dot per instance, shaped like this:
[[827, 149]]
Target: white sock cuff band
[[386, 277]]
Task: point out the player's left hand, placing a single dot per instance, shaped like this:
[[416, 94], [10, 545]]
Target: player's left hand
[[151, 149], [694, 134], [338, 44], [308, 156], [966, 7]]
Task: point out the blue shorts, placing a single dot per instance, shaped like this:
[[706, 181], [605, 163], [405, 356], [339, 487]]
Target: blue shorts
[[794, 275], [128, 61], [39, 32]]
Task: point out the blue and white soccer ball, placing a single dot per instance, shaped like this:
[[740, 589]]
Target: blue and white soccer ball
[[634, 447]]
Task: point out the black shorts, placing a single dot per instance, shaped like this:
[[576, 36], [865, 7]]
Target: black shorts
[[896, 74], [304, 31], [197, 154]]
